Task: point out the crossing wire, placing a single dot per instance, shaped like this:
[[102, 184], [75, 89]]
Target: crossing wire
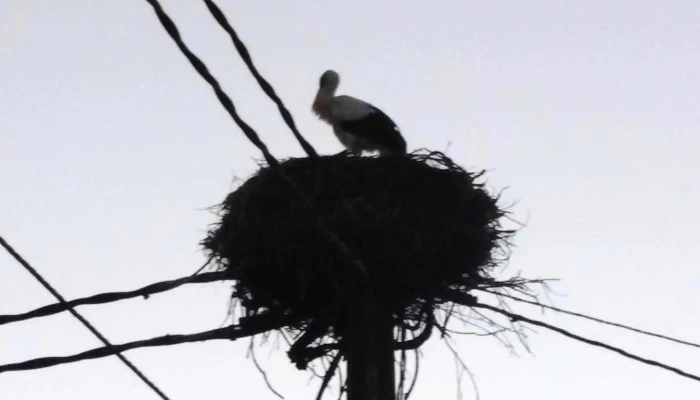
[[80, 318]]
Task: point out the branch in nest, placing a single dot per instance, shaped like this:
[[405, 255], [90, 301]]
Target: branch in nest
[[406, 324], [515, 281], [230, 333], [116, 296], [460, 363], [251, 352], [416, 342], [465, 299], [304, 356], [415, 376], [329, 374], [300, 353]]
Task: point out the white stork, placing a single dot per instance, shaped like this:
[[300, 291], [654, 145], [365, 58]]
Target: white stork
[[358, 125]]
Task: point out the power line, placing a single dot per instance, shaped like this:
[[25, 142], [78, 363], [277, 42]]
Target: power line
[[264, 85], [351, 261], [588, 317], [80, 318], [516, 317], [109, 297], [259, 325], [203, 71]]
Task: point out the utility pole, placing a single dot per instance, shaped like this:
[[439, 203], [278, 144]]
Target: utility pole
[[369, 344]]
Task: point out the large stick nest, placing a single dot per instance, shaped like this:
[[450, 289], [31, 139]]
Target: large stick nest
[[420, 224]]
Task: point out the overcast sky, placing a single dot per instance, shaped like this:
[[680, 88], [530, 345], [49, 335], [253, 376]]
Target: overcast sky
[[111, 148]]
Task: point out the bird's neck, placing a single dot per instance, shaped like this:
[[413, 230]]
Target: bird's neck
[[322, 103]]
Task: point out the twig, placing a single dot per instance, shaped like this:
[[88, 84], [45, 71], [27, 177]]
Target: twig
[[251, 352], [206, 264], [415, 376], [342, 382], [447, 319], [402, 365], [329, 374], [521, 335], [298, 352], [461, 363], [418, 340], [303, 357]]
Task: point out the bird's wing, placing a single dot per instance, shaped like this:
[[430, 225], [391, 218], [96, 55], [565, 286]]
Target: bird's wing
[[346, 108], [364, 120]]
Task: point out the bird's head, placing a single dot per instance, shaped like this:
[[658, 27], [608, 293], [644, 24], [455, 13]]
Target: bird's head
[[327, 86], [329, 80]]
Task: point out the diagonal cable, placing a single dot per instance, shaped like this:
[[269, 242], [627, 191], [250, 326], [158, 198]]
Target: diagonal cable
[[468, 300], [102, 298], [80, 318], [515, 317], [226, 101], [350, 261], [588, 317], [262, 323], [264, 84]]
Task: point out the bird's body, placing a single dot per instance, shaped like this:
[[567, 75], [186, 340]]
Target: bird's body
[[357, 124]]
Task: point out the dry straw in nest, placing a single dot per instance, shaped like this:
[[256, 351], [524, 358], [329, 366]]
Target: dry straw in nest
[[420, 224]]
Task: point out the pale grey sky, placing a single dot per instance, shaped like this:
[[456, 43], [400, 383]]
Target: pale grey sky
[[112, 146]]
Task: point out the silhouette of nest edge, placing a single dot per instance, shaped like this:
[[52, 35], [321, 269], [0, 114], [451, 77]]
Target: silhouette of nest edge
[[420, 224]]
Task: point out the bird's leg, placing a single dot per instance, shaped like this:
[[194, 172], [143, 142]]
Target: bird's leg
[[356, 149]]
